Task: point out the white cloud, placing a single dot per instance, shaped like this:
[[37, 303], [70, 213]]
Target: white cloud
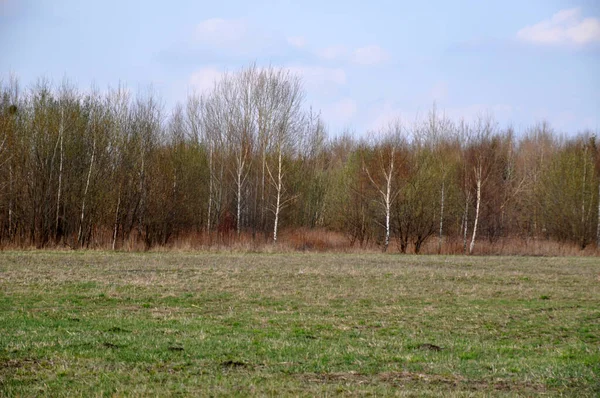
[[370, 55], [319, 78], [297, 41], [332, 53], [341, 111], [220, 31], [204, 79], [565, 27], [385, 114]]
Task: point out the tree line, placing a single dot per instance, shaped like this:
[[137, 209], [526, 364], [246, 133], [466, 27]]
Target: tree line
[[250, 158]]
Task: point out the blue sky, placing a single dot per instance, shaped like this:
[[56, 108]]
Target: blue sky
[[363, 63]]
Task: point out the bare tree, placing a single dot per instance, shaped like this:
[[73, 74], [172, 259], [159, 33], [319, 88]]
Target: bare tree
[[203, 130], [119, 103], [240, 133], [288, 126], [383, 174], [569, 191], [316, 181], [481, 158], [439, 133], [266, 95]]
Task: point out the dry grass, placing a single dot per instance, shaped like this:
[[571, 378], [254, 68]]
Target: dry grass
[[325, 241]]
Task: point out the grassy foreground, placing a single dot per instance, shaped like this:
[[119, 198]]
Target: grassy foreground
[[104, 324]]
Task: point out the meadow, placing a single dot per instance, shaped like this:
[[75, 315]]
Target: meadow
[[94, 323]]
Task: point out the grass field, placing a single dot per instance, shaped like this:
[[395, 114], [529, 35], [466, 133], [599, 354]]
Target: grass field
[[160, 324]]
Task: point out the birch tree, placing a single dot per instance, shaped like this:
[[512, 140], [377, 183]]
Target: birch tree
[[240, 133], [482, 158], [98, 151], [204, 128], [288, 123], [382, 173], [118, 107], [479, 159], [316, 177], [9, 110], [89, 176], [266, 95], [439, 133]]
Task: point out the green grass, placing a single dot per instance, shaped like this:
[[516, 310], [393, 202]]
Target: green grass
[[104, 324]]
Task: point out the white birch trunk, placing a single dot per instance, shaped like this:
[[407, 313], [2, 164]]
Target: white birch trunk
[[466, 222], [60, 170], [598, 225], [441, 236], [210, 187], [239, 198], [10, 200], [278, 201], [388, 206], [87, 186], [219, 200], [141, 188], [263, 205], [472, 246], [116, 226], [583, 194], [240, 180], [239, 204], [387, 196]]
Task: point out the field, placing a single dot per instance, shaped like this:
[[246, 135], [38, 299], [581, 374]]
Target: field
[[160, 324]]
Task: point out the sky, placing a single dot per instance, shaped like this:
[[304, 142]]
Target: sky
[[363, 63]]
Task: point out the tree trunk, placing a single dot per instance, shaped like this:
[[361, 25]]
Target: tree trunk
[[60, 173], [262, 192], [142, 193], [10, 200], [472, 246], [278, 204], [276, 220], [210, 187], [239, 201], [598, 225], [240, 180], [387, 196], [583, 220], [87, 186], [388, 205], [116, 226], [219, 201], [466, 222], [441, 236]]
